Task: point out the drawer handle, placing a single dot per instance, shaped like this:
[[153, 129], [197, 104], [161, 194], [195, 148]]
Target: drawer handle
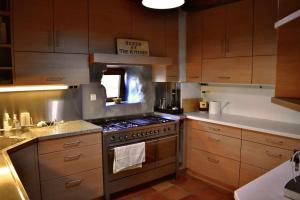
[[74, 183], [213, 129], [70, 158], [212, 160], [273, 154], [214, 139], [224, 77], [274, 142], [72, 144]]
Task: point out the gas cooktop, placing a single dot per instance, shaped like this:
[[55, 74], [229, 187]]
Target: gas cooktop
[[121, 124]]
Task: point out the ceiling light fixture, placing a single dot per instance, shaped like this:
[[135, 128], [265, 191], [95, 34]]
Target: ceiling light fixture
[[162, 4], [33, 88]]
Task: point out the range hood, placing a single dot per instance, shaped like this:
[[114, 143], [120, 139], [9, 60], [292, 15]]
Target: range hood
[[129, 59]]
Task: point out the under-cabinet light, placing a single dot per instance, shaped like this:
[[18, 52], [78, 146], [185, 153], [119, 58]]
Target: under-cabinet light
[[33, 88], [162, 4]]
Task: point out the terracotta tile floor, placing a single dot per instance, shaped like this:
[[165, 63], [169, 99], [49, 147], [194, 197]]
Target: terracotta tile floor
[[184, 188]]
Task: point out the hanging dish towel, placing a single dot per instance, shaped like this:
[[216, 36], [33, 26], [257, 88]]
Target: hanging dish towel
[[129, 157]]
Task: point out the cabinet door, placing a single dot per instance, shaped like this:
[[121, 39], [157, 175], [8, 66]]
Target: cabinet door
[[51, 68], [108, 20], [214, 24], [227, 70], [149, 25], [286, 7], [239, 29], [264, 41], [32, 23], [172, 43], [71, 26], [194, 46], [264, 70]]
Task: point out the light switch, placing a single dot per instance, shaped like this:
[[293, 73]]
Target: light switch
[[93, 97]]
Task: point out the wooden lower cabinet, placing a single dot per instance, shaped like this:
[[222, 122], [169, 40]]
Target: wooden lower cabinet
[[263, 156], [249, 173], [215, 167], [85, 185]]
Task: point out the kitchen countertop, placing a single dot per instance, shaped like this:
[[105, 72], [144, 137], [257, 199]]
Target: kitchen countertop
[[255, 124], [268, 186], [11, 187]]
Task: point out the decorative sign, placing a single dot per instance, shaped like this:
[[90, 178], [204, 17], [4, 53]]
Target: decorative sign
[[133, 47]]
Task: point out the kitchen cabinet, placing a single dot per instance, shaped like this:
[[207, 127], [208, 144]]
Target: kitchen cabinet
[[227, 30], [74, 169], [51, 68], [33, 25], [172, 44], [51, 26], [148, 24], [227, 70], [194, 47], [108, 20], [286, 7], [249, 173], [264, 70]]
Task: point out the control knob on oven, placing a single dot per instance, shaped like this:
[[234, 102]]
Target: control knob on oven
[[112, 138], [126, 137]]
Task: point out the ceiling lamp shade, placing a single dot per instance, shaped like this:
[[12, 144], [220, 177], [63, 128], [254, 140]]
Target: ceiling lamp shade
[[162, 4]]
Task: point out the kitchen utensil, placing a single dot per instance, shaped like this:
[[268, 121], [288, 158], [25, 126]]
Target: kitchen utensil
[[214, 107], [25, 119], [163, 103]]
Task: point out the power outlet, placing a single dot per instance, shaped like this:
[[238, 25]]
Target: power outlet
[[93, 97]]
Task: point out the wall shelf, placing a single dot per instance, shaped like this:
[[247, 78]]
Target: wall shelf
[[6, 68], [292, 103], [5, 13], [5, 45]]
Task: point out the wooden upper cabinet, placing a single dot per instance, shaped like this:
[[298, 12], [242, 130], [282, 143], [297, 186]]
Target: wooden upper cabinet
[[264, 41], [214, 27], [286, 7], [172, 44], [71, 26], [32, 25], [108, 20], [194, 46], [149, 25], [239, 29]]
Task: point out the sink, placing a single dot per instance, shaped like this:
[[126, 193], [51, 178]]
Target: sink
[[8, 141]]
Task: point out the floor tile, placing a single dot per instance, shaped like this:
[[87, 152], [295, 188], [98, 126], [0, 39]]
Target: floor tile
[[175, 193], [154, 196], [162, 186]]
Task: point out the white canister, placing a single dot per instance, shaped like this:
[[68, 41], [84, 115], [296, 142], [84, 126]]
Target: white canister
[[25, 119], [215, 107]]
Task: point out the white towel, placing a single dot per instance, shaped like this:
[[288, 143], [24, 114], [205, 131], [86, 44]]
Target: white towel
[[129, 157]]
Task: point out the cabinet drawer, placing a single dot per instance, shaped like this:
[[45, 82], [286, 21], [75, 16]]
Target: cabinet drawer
[[63, 163], [215, 167], [227, 70], [263, 156], [249, 173], [272, 140], [216, 128], [66, 143], [217, 144], [85, 185]]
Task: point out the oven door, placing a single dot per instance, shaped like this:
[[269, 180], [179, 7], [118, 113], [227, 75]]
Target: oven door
[[166, 150], [150, 147]]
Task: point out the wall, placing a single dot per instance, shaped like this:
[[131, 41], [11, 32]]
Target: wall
[[250, 101]]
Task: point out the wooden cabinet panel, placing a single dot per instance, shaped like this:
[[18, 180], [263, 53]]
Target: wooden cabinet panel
[[239, 29], [149, 25], [172, 45], [263, 156], [108, 20], [63, 163], [271, 140], [216, 128], [286, 7], [85, 185], [217, 144], [49, 146], [264, 36], [264, 70], [32, 25], [193, 72], [214, 27], [71, 26], [249, 173], [227, 70], [51, 68], [215, 167]]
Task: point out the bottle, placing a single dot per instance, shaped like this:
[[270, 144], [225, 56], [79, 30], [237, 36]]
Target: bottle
[[7, 123], [16, 122], [203, 104]]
